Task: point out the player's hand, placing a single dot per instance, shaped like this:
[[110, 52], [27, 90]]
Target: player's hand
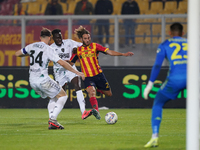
[[147, 89], [81, 74], [128, 54]]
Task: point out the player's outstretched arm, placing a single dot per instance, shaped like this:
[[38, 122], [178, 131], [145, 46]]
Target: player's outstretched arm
[[67, 66], [71, 63], [20, 54], [128, 54], [114, 53]]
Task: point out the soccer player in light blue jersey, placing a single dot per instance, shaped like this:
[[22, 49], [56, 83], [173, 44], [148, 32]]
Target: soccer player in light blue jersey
[[174, 50]]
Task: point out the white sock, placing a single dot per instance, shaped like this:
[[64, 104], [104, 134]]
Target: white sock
[[81, 100], [58, 107], [155, 135], [51, 105]]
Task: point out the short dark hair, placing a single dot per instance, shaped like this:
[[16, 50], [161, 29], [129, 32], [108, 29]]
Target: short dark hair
[[45, 32], [56, 31], [177, 27], [80, 31]]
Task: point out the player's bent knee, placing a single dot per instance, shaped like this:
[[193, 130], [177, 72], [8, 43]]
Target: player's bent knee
[[62, 93]]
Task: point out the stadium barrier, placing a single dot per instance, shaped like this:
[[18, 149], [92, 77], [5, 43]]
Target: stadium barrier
[[26, 30], [127, 84]]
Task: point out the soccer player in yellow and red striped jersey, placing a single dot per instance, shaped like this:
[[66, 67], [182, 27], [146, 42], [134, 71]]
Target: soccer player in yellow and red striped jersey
[[88, 57]]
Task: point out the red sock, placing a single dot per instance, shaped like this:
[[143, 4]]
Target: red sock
[[100, 91], [94, 103]]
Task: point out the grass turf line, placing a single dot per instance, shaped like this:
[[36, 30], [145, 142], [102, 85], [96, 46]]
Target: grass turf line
[[27, 129]]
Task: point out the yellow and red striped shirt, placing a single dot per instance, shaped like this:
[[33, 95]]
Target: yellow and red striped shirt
[[88, 57]]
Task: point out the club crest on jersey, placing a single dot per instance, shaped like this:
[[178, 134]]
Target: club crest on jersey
[[62, 49], [158, 50]]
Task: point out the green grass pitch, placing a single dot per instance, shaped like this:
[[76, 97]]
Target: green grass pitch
[[27, 129]]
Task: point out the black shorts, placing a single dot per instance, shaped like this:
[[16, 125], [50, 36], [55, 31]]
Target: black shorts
[[99, 81]]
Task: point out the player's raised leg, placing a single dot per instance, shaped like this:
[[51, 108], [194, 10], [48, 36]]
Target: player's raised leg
[[93, 101]]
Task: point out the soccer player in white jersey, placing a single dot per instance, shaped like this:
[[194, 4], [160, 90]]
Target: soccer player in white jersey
[[64, 48], [40, 54]]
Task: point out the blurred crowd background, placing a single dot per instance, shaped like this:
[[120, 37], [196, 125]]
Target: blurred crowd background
[[141, 35]]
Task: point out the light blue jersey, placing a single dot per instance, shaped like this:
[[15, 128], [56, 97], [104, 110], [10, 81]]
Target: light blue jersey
[[175, 51]]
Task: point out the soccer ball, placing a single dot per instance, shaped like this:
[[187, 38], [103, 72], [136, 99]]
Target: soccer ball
[[111, 118]]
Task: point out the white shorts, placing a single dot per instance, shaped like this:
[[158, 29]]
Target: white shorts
[[46, 87], [63, 76]]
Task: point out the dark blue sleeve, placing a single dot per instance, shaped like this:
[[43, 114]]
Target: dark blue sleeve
[[73, 58], [24, 51], [158, 63]]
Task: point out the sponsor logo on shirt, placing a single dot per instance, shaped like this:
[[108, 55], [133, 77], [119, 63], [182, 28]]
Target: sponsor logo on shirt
[[87, 55], [64, 55]]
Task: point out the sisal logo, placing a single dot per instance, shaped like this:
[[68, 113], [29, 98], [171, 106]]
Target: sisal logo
[[15, 88], [135, 85], [12, 88]]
